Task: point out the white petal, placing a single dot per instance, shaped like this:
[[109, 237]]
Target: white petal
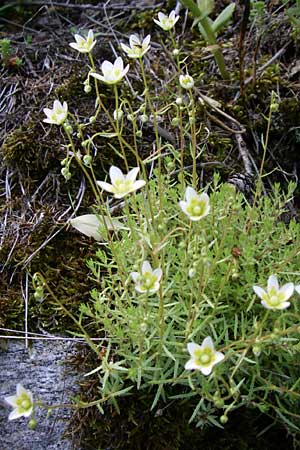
[[183, 205], [157, 22], [118, 64], [135, 276], [146, 41], [297, 289], [88, 224], [14, 415], [132, 174], [79, 39], [206, 370], [219, 357], [115, 174], [65, 106], [96, 75], [106, 67], [47, 111], [28, 412], [192, 347], [191, 365], [161, 16], [204, 198], [21, 390], [283, 305], [158, 273], [172, 14], [125, 48], [287, 290], [11, 400], [273, 282], [259, 291], [207, 342], [90, 35], [190, 193], [134, 40], [140, 289], [106, 186], [75, 46], [266, 305], [57, 105], [125, 70], [146, 267], [138, 185]]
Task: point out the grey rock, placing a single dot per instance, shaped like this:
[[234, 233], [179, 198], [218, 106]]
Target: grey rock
[[41, 369]]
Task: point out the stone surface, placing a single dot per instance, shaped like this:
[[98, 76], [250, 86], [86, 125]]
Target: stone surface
[[42, 369]]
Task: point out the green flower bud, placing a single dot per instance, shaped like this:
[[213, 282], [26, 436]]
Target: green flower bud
[[224, 419], [87, 88], [87, 159], [32, 424], [175, 121], [139, 133]]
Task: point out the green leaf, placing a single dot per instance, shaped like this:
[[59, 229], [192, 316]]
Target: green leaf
[[223, 17], [206, 7]]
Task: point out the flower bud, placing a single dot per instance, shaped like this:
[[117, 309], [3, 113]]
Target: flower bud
[[65, 173], [68, 128], [92, 119], [87, 88], [118, 114], [87, 159], [130, 117], [144, 118], [179, 101], [192, 273], [139, 133], [224, 419], [175, 52], [175, 121], [32, 424]]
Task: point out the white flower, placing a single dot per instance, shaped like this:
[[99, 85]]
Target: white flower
[[186, 81], [22, 403], [112, 73], [147, 280], [137, 48], [121, 184], [275, 297], [165, 22], [84, 45], [57, 114], [93, 226], [196, 206], [203, 357]]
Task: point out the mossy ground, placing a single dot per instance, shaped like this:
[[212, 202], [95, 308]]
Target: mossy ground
[[39, 202]]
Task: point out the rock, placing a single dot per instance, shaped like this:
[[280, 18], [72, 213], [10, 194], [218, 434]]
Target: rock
[[42, 369]]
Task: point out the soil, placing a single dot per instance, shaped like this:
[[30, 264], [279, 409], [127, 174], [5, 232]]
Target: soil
[[37, 202]]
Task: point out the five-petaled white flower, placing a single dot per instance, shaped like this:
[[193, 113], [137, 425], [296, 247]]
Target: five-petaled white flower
[[195, 206], [166, 22], [84, 45], [121, 184], [57, 114], [112, 73], [275, 297], [22, 403], [137, 47], [147, 280], [186, 81], [203, 357]]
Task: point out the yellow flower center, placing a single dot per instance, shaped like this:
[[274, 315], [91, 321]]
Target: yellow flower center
[[123, 186], [204, 357], [147, 281], [196, 207], [23, 402]]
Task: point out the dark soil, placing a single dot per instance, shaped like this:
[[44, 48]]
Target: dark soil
[[37, 202]]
